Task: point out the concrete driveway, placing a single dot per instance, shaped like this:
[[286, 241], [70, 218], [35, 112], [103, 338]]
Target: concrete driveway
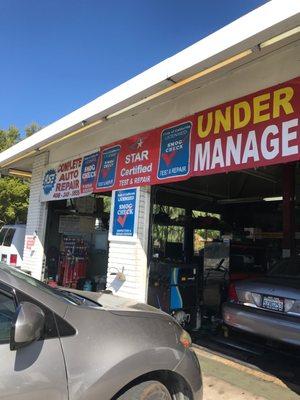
[[226, 379]]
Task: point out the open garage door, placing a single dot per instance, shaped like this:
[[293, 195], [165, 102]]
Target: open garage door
[[210, 232]]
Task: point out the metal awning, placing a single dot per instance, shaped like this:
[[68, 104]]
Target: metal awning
[[264, 29]]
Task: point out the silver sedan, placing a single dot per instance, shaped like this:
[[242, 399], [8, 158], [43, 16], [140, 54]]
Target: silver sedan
[[270, 306], [61, 345]]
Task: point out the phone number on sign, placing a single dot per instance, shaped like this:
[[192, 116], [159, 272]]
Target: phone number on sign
[[64, 195]]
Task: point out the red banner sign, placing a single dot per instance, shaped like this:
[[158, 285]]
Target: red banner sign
[[158, 156], [257, 130]]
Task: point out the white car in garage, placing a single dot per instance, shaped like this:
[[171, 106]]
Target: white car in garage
[[12, 239]]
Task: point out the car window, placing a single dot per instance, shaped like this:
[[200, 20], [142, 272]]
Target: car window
[[7, 311], [9, 237], [288, 268], [2, 235]]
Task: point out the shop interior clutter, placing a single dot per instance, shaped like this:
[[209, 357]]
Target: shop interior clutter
[[77, 243], [73, 262]]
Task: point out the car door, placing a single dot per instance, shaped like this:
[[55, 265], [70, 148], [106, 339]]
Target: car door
[[35, 371]]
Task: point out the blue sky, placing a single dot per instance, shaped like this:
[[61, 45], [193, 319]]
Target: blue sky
[[57, 55]]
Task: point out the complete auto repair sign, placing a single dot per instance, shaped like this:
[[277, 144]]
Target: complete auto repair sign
[[253, 131], [70, 178]]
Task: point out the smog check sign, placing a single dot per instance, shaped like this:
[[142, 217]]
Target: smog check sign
[[124, 217]]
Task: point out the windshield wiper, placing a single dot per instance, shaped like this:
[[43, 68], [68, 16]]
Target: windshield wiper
[[69, 296], [78, 299]]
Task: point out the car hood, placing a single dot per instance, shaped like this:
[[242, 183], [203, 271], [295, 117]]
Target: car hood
[[118, 304], [272, 286]]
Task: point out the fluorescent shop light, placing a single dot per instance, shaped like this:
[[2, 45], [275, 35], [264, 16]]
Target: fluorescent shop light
[[240, 200], [19, 158], [275, 198], [19, 173], [85, 127], [182, 82], [280, 37]]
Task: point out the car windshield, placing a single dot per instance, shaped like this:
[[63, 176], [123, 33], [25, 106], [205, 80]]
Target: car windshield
[[287, 268], [73, 298], [9, 237]]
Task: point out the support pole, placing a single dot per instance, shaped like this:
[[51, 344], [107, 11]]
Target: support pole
[[188, 237], [288, 204]]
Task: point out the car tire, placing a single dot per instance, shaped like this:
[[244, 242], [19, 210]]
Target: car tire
[[150, 390]]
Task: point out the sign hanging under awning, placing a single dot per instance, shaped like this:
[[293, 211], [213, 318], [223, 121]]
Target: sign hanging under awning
[[149, 158], [70, 178], [257, 130]]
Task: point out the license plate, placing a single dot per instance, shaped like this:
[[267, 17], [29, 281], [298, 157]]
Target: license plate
[[273, 303]]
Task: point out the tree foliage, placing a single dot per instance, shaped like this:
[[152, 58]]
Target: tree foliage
[[32, 128], [14, 192], [8, 137], [172, 232]]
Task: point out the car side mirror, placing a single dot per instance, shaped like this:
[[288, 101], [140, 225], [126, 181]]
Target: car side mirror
[[27, 325]]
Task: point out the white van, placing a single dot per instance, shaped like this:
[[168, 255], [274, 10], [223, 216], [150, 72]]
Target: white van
[[12, 239]]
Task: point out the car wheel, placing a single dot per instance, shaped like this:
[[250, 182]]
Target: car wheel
[[150, 390]]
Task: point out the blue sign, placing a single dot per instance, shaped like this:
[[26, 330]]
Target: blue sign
[[124, 214], [174, 151], [107, 172], [88, 172]]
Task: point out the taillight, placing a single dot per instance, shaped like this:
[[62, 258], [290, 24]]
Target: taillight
[[232, 294], [13, 259], [292, 307]]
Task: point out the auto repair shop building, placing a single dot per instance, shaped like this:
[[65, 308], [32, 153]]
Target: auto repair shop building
[[202, 146]]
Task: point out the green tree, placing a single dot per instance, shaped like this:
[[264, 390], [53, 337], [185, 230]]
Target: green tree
[[8, 137], [14, 192], [32, 128]]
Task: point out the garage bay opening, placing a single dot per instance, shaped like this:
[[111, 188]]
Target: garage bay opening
[[76, 245], [210, 232]]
